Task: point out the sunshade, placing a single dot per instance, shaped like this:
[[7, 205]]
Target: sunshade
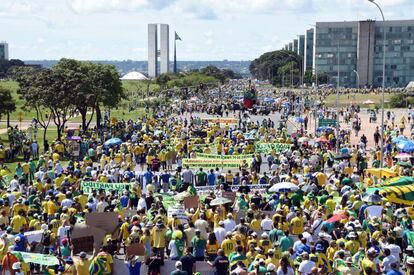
[[113, 142], [220, 201], [181, 196], [373, 198], [284, 187], [337, 217]]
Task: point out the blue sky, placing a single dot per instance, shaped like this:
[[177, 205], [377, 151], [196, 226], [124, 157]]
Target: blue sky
[[210, 29]]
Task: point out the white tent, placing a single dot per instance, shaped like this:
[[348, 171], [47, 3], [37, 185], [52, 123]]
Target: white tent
[[410, 86], [134, 76]]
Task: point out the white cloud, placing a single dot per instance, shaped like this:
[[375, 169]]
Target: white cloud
[[103, 6]]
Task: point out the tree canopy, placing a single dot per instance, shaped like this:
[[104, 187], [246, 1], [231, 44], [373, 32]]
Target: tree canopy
[[68, 87], [278, 67], [7, 103]]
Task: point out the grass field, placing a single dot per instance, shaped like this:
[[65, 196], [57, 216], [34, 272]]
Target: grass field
[[345, 100], [131, 88]]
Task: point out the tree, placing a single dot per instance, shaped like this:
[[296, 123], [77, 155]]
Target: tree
[[49, 92], [7, 103], [266, 67], [96, 84]]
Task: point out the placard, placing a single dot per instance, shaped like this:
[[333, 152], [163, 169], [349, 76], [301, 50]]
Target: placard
[[107, 221], [179, 211], [137, 249], [230, 195], [83, 230], [191, 202], [85, 244], [34, 236]]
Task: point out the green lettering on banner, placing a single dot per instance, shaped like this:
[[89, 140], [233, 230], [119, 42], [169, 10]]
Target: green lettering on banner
[[216, 156], [88, 186], [212, 163], [268, 147]]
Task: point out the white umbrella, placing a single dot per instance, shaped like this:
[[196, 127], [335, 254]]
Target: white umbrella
[[219, 201], [284, 187], [303, 139]]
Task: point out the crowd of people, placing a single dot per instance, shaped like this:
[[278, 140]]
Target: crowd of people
[[322, 222]]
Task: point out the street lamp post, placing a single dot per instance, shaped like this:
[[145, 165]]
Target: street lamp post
[[357, 75], [383, 84]]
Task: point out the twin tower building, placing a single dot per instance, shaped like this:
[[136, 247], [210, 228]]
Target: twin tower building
[[159, 49]]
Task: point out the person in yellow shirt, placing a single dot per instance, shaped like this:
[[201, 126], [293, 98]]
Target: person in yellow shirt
[[352, 245], [368, 266], [18, 222], [228, 244], [265, 242], [297, 224]]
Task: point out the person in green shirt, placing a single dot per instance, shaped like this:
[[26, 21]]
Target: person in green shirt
[[286, 242], [201, 178]]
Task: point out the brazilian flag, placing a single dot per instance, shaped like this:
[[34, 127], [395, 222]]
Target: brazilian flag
[[97, 266]]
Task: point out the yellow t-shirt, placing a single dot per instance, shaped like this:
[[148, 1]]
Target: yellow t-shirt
[[228, 246], [367, 263], [17, 222], [297, 225]]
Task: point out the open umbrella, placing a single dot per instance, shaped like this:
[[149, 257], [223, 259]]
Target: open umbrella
[[181, 196], [268, 100], [113, 142], [373, 198], [299, 120], [369, 101], [404, 164], [406, 146], [337, 217], [403, 156], [75, 138], [321, 139], [220, 201], [283, 187], [303, 139]]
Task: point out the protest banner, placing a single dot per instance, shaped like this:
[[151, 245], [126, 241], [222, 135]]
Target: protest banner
[[234, 188], [88, 186], [107, 221], [179, 211], [85, 244], [191, 202], [36, 258], [212, 163], [136, 249], [266, 148], [374, 211], [247, 157], [34, 236], [229, 121]]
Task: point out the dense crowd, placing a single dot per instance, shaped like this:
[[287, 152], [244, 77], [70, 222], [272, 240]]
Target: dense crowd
[[323, 220]]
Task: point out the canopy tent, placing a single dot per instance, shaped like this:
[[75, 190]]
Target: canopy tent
[[134, 76], [406, 146]]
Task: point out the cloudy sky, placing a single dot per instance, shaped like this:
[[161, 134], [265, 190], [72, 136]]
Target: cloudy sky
[[210, 29]]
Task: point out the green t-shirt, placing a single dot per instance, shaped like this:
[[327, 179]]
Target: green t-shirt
[[201, 177], [285, 243]]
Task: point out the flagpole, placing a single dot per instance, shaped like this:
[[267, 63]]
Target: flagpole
[[175, 55]]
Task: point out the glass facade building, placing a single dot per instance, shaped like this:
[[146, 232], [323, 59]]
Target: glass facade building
[[308, 58], [348, 48]]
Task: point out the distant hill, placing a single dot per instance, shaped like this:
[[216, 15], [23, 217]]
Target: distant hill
[[127, 66]]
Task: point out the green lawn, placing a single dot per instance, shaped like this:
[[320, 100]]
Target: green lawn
[[132, 89], [345, 100]]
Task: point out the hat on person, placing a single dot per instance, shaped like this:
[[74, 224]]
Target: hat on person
[[159, 223], [254, 234], [372, 251], [352, 234], [221, 222], [410, 248], [410, 260], [17, 239], [319, 247], [82, 254], [197, 231], [271, 267], [17, 266], [69, 260], [261, 260], [264, 235], [178, 264]]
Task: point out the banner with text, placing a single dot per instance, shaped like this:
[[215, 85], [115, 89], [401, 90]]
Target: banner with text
[[212, 163], [266, 148], [88, 186], [247, 157]]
